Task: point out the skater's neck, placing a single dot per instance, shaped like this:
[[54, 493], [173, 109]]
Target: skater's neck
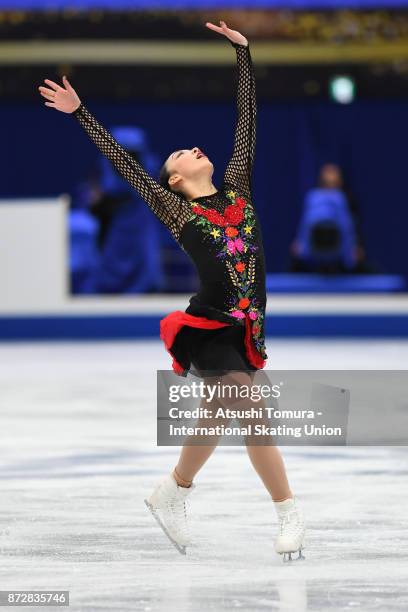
[[199, 189]]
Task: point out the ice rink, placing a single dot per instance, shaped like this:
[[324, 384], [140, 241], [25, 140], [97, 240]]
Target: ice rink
[[79, 454]]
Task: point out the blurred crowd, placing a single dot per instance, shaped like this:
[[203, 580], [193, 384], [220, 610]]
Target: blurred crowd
[[328, 237], [117, 246], [342, 25], [338, 25]]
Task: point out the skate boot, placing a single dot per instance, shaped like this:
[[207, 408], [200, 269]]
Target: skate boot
[[291, 529], [168, 506]]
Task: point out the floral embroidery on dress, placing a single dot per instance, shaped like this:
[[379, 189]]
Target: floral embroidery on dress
[[232, 233]]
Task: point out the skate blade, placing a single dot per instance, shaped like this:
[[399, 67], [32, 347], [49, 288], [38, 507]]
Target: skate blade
[[180, 548], [287, 556]]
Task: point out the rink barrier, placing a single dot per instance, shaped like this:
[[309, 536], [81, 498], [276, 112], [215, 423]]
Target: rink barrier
[[105, 327]]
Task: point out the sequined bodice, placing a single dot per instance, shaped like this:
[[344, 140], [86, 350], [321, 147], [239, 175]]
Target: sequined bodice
[[226, 249]]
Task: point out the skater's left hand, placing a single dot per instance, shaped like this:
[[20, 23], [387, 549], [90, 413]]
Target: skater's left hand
[[233, 35], [64, 99]]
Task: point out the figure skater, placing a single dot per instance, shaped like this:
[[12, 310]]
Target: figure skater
[[221, 333]]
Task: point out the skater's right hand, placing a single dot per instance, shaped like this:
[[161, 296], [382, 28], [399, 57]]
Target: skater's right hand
[[63, 99]]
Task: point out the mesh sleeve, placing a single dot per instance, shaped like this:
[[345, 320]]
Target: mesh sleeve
[[171, 209], [239, 168]]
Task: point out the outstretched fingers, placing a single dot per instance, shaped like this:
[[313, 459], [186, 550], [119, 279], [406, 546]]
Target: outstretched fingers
[[53, 85], [47, 93], [67, 83], [220, 30], [64, 98]]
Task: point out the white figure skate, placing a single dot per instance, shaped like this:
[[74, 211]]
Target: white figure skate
[[291, 529], [168, 506]]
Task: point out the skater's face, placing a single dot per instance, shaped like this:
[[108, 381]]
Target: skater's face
[[187, 164]]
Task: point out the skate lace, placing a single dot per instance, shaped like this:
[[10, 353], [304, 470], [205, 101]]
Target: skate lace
[[178, 511], [289, 522]]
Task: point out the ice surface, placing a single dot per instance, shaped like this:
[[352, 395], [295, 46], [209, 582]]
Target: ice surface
[[79, 454]]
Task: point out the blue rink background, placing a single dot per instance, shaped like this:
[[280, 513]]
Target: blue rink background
[[43, 327]]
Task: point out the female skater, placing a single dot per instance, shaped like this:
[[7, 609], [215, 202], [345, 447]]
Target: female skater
[[221, 333]]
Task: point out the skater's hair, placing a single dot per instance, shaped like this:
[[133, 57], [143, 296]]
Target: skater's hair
[[164, 176]]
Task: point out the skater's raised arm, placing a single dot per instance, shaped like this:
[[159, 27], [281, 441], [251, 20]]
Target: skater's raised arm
[[167, 206], [239, 169], [170, 208]]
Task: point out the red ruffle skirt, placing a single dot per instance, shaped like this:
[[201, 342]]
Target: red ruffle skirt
[[173, 322]]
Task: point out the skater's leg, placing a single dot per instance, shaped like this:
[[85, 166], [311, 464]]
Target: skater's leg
[[266, 459], [197, 449], [268, 463]]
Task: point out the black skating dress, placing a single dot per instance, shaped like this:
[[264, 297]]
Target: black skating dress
[[222, 329]]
